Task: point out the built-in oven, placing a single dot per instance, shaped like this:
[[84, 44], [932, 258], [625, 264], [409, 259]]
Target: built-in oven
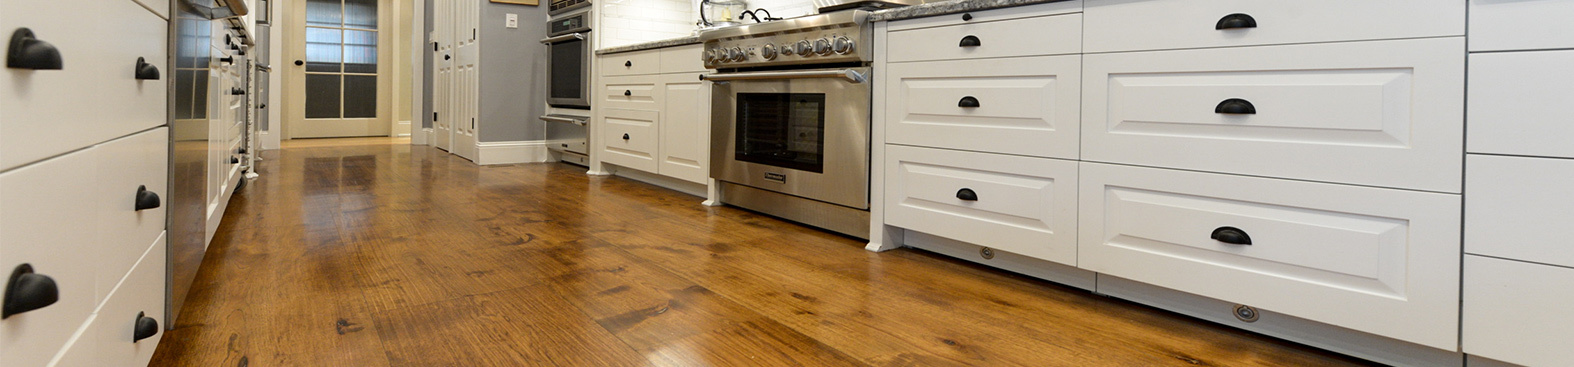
[[568, 59]]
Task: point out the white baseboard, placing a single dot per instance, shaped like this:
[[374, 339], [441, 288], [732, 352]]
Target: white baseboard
[[659, 180], [421, 137], [510, 152]]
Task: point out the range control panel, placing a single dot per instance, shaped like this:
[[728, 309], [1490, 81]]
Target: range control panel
[[815, 43]]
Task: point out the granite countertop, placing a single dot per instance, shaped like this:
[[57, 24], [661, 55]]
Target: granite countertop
[[947, 7], [650, 45]]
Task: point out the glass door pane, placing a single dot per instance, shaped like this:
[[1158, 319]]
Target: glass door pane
[[341, 59]]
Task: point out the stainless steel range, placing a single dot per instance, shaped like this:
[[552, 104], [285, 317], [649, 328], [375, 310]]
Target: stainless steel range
[[790, 118]]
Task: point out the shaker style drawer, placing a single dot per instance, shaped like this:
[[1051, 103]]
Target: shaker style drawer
[[46, 214], [132, 176], [629, 138], [1502, 25], [96, 95], [117, 325], [1518, 312], [1518, 208], [1048, 35], [682, 59], [1022, 205], [1025, 106], [1376, 260], [634, 92], [1387, 113], [1519, 103], [631, 63], [1178, 24]]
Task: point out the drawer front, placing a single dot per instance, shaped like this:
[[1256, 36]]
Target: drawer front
[[682, 59], [630, 138], [1048, 35], [1179, 24], [115, 323], [1519, 103], [43, 209], [1386, 113], [1022, 205], [124, 232], [1518, 312], [1499, 25], [637, 92], [1354, 257], [95, 96], [631, 63], [1518, 208], [1025, 106]]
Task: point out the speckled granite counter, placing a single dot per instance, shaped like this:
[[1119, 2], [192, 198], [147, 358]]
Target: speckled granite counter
[[948, 7], [680, 41]]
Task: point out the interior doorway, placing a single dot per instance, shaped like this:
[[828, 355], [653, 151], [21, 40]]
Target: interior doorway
[[338, 71]]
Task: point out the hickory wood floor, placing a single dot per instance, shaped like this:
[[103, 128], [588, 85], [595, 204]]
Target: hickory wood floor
[[393, 255]]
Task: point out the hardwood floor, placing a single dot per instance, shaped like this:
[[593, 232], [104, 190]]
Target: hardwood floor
[[392, 255]]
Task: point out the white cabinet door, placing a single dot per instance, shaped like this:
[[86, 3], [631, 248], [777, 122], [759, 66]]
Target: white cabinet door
[[1519, 103], [1519, 208], [1518, 312], [1026, 106], [630, 138], [124, 232], [1178, 24], [685, 128], [1500, 25]]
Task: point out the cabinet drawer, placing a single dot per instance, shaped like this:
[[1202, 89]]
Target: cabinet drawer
[[1518, 312], [1355, 257], [95, 96], [682, 59], [46, 211], [630, 138], [113, 326], [1498, 25], [1177, 24], [1387, 113], [124, 232], [1518, 208], [632, 63], [636, 92], [1022, 205], [1519, 103], [1027, 106], [1047, 35]]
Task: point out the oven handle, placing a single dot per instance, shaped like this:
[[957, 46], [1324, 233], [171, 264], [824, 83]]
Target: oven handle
[[849, 74], [551, 118], [570, 36]]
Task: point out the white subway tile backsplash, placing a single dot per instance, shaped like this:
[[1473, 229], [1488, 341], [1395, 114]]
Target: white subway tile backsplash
[[626, 22]]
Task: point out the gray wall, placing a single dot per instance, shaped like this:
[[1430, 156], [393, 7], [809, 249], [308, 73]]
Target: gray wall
[[513, 73]]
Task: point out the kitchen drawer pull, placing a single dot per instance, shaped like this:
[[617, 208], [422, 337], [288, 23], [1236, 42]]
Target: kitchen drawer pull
[[28, 52], [628, 64], [625, 136], [1235, 106], [146, 327], [970, 41], [237, 91], [446, 57], [227, 59], [968, 102], [146, 71], [234, 160], [966, 194], [146, 199], [27, 291], [627, 93], [1231, 235], [967, 16], [1236, 21]]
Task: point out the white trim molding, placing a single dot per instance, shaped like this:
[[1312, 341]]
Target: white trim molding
[[421, 137], [510, 152]]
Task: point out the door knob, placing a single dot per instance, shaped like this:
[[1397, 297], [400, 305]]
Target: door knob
[[146, 327], [625, 136], [628, 64], [299, 63], [146, 199], [27, 291], [627, 93], [28, 52]]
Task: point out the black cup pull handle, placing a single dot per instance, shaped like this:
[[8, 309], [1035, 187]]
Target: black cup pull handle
[[970, 41], [627, 93], [1235, 106], [628, 64], [966, 194], [28, 52], [146, 327], [146, 71], [968, 102], [27, 291], [1231, 235], [146, 199], [234, 160], [1236, 21], [967, 16], [625, 136], [237, 91], [446, 57]]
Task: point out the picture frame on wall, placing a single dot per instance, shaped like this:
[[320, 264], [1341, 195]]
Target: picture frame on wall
[[520, 2]]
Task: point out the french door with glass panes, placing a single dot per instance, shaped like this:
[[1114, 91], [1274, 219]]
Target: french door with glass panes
[[338, 83]]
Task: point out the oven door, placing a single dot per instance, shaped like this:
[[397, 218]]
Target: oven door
[[568, 68], [802, 133]]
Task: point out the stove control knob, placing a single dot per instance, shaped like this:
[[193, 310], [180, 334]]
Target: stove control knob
[[708, 56], [768, 52], [737, 54], [803, 48], [842, 45], [822, 46], [787, 49]]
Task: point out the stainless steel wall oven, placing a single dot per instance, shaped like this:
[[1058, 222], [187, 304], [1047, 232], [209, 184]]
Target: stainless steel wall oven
[[568, 60]]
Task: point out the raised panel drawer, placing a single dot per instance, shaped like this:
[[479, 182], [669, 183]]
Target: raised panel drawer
[[1519, 208], [1500, 25], [978, 39], [124, 232], [1519, 103], [1385, 113], [1133, 25], [631, 63], [46, 212], [1022, 205], [1025, 106], [1518, 312], [630, 138], [95, 96], [1381, 261], [630, 92]]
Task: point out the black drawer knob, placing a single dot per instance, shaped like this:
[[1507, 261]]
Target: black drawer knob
[[970, 41], [146, 199], [27, 291], [625, 136], [1231, 235], [1236, 21], [446, 57], [968, 102], [1235, 106], [966, 194], [146, 327], [146, 71], [967, 17], [28, 52], [628, 64], [628, 93]]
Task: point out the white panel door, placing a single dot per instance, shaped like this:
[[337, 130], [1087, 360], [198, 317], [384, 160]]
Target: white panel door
[[464, 97], [684, 151], [442, 80]]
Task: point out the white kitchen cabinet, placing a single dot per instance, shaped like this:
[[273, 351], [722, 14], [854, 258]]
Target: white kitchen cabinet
[[980, 38], [129, 170], [1504, 25], [630, 138], [685, 128], [1132, 25], [43, 209], [1518, 312], [1027, 106], [1519, 103], [655, 117], [1519, 208], [630, 92], [633, 63]]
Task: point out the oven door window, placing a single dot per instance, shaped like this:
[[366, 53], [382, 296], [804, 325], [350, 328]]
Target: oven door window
[[567, 72], [782, 129]]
